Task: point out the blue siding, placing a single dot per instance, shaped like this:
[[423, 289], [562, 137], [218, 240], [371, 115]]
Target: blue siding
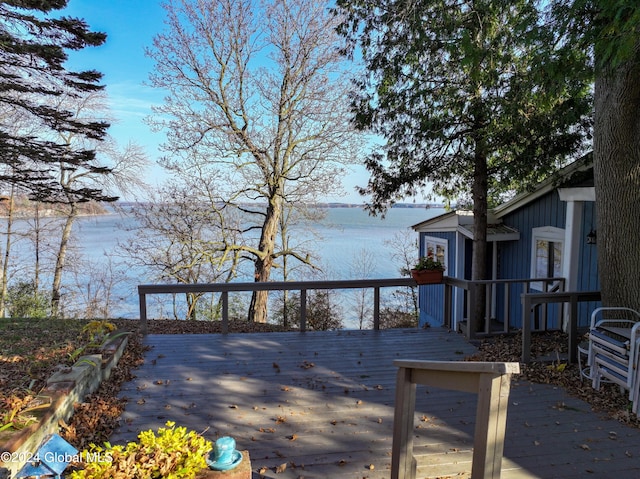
[[515, 256], [588, 277], [431, 296], [514, 261]]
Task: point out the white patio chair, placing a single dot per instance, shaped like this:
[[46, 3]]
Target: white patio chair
[[614, 349]]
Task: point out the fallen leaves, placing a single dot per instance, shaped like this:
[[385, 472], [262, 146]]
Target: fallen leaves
[[550, 345]]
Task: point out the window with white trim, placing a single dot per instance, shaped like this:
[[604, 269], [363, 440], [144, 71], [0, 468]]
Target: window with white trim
[[436, 247], [546, 254]]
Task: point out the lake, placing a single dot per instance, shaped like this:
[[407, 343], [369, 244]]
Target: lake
[[344, 236]]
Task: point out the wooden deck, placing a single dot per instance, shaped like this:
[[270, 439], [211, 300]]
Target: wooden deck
[[322, 403]]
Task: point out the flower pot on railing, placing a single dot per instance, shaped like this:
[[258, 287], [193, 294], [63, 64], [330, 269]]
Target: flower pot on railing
[[427, 276], [428, 270]]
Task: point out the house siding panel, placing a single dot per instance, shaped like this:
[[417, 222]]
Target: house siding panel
[[515, 256], [431, 297]]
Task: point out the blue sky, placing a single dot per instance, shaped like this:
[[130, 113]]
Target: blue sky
[[130, 26]]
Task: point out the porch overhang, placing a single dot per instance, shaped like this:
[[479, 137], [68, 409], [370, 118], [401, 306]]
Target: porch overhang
[[495, 232]]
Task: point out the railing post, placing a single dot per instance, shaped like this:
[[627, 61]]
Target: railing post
[[225, 312], [448, 306], [303, 310], [142, 298], [526, 329], [376, 309], [573, 329], [507, 308], [471, 312], [488, 295]]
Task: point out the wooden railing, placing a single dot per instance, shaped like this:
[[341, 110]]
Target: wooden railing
[[303, 286], [493, 308], [490, 381], [572, 298]]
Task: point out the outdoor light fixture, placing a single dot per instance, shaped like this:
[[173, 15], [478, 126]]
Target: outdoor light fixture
[[592, 237]]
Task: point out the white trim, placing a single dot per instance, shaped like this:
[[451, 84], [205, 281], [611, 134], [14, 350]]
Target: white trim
[[458, 293], [577, 194], [437, 241], [546, 186], [547, 233], [571, 253]]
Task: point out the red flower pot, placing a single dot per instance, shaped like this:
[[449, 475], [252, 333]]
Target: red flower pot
[[427, 276]]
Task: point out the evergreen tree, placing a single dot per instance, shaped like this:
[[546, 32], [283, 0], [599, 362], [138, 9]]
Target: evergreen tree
[[467, 96], [33, 48]]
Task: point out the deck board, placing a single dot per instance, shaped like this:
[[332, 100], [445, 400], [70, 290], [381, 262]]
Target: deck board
[[322, 402]]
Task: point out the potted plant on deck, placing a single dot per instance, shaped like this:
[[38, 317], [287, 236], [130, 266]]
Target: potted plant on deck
[[428, 270]]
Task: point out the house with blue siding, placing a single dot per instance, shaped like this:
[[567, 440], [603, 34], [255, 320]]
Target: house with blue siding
[[548, 232]]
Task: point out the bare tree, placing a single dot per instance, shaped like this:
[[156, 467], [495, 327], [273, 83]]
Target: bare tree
[[404, 252], [257, 91], [122, 175], [183, 235], [362, 266]]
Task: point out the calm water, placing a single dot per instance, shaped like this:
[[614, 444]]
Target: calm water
[[345, 235]]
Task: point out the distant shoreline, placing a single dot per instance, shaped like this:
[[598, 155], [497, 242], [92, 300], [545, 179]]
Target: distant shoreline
[[334, 205], [396, 205]]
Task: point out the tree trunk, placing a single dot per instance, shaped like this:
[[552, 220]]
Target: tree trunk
[[479, 262], [616, 158], [480, 206], [7, 254], [264, 262], [61, 259]]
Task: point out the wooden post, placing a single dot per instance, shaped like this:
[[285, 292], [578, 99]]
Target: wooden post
[[471, 314], [376, 309], [142, 298], [491, 421], [526, 329], [403, 464], [491, 381], [303, 310], [448, 306], [225, 312]]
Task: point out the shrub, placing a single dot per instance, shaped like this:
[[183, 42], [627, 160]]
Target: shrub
[[174, 453], [24, 300]]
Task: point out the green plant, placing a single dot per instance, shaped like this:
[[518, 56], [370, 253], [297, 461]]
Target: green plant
[[24, 300], [14, 411], [429, 263], [98, 330], [95, 332], [174, 453]]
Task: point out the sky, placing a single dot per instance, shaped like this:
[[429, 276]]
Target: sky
[[130, 26]]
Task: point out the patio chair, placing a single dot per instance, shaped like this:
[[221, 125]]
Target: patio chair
[[614, 349]]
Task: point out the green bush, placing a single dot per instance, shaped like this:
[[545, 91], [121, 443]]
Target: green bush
[[26, 301], [174, 453]]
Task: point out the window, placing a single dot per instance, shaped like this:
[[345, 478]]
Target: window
[[436, 247], [546, 257]]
